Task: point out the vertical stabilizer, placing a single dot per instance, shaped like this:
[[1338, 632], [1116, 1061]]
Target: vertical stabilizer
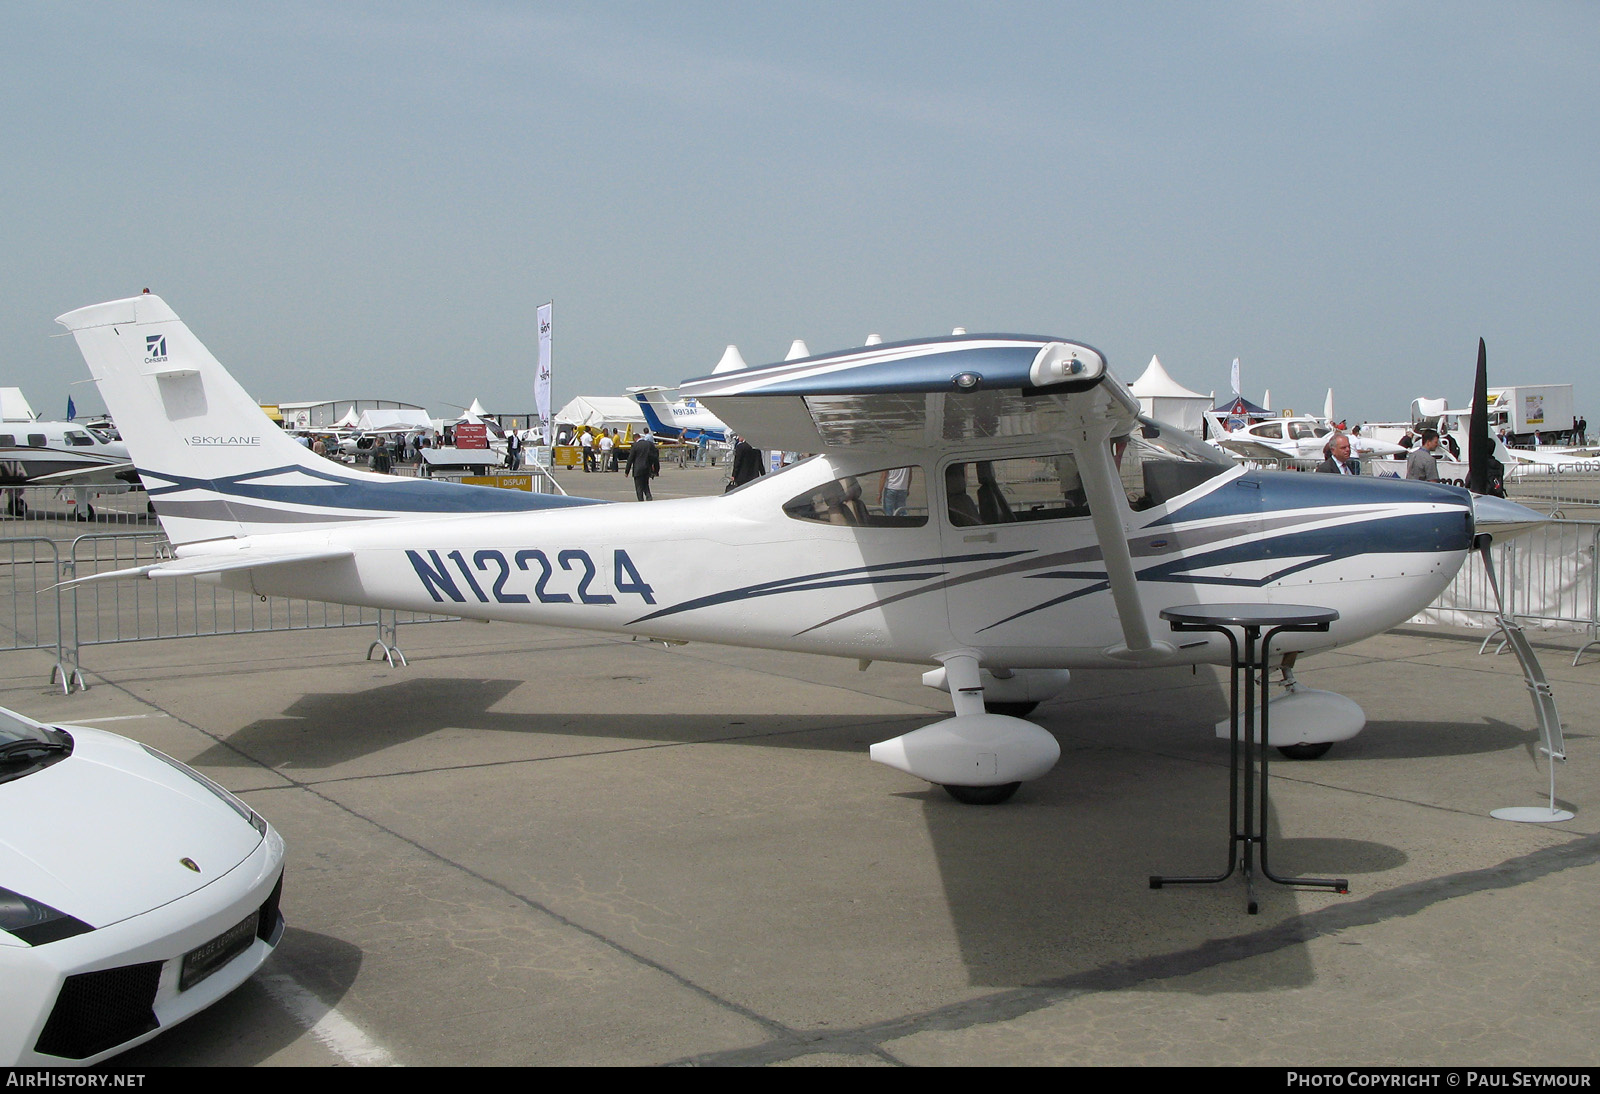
[[215, 465], [657, 411]]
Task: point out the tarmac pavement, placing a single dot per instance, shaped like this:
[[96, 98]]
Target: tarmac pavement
[[541, 846]]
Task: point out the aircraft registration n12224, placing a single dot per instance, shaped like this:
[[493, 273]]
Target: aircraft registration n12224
[[990, 506]]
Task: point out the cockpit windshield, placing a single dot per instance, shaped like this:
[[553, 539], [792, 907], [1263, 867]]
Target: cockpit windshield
[[1160, 461]]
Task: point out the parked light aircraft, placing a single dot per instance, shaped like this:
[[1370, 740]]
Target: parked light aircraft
[[60, 454], [685, 420], [1297, 438], [992, 505]]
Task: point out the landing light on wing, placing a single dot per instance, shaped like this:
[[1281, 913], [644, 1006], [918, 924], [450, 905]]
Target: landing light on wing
[[1058, 361]]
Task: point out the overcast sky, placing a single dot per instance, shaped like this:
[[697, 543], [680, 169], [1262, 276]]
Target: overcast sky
[[370, 199]]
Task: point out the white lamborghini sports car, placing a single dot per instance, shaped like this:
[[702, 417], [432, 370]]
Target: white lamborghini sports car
[[134, 892]]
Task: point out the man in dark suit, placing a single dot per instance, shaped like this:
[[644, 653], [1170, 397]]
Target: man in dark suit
[[644, 463], [1338, 461], [747, 462]]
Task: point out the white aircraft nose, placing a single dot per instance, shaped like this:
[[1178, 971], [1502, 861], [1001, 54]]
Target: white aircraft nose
[[1503, 519]]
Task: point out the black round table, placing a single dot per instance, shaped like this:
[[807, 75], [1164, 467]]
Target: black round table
[[1250, 620]]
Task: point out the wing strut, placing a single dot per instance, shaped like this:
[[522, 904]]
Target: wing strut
[[1107, 505]]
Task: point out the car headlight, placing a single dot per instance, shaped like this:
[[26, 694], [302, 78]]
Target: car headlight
[[36, 923], [250, 816]]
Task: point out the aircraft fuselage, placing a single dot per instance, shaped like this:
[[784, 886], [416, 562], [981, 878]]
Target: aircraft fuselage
[[743, 569]]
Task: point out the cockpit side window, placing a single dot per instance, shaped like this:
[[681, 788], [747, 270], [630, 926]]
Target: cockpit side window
[[895, 497], [1159, 462], [1006, 491]]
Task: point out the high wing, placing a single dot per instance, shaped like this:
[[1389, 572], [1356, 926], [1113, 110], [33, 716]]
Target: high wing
[[951, 393]]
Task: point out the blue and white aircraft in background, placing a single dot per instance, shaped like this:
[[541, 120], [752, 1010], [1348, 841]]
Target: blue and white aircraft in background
[[990, 507], [685, 420]]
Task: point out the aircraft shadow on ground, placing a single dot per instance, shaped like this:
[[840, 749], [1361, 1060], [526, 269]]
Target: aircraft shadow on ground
[[1396, 740], [326, 729], [1051, 888]]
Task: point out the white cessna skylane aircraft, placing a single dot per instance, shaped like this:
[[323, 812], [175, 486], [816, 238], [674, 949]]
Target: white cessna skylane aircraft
[[989, 504]]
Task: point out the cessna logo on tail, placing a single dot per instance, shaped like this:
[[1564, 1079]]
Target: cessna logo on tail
[[156, 346]]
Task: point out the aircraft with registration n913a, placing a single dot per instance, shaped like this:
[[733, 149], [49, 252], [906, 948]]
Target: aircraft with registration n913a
[[990, 505]]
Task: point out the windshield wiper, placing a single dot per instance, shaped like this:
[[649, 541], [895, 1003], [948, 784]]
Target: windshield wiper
[[29, 750]]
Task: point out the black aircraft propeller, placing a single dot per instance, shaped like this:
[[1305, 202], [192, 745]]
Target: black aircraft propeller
[[1485, 474]]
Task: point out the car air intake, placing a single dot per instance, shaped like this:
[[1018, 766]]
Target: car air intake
[[100, 1010]]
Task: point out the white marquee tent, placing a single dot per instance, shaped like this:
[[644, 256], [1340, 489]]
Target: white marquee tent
[[1164, 399], [601, 411]]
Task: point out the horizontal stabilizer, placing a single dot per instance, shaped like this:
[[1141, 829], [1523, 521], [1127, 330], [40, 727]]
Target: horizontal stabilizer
[[99, 475], [197, 565]]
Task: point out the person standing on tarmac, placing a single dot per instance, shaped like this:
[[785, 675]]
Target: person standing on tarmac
[[1421, 464], [644, 463]]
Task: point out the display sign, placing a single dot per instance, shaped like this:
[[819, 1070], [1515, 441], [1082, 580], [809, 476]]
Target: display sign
[[504, 482], [472, 435]]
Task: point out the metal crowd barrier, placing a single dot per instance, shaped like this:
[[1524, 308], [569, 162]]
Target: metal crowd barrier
[[1548, 576], [45, 539], [1559, 494]]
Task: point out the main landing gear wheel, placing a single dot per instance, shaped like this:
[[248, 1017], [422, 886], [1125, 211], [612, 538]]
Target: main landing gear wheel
[[1015, 710], [1305, 752], [982, 795]]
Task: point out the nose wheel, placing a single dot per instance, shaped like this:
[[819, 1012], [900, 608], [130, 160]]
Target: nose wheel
[[982, 795]]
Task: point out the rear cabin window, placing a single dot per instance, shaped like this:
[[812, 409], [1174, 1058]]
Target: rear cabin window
[[896, 497], [36, 440]]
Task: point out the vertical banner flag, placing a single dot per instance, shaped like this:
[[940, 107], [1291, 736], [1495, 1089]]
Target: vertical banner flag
[[1235, 377], [541, 383]]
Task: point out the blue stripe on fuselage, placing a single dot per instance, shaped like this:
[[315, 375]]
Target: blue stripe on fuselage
[[1277, 491], [399, 495]]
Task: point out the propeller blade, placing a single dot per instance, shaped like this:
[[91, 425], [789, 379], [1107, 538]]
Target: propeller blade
[[1479, 447]]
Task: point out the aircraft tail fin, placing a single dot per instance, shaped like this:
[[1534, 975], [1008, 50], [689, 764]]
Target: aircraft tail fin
[[657, 411], [215, 465]]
